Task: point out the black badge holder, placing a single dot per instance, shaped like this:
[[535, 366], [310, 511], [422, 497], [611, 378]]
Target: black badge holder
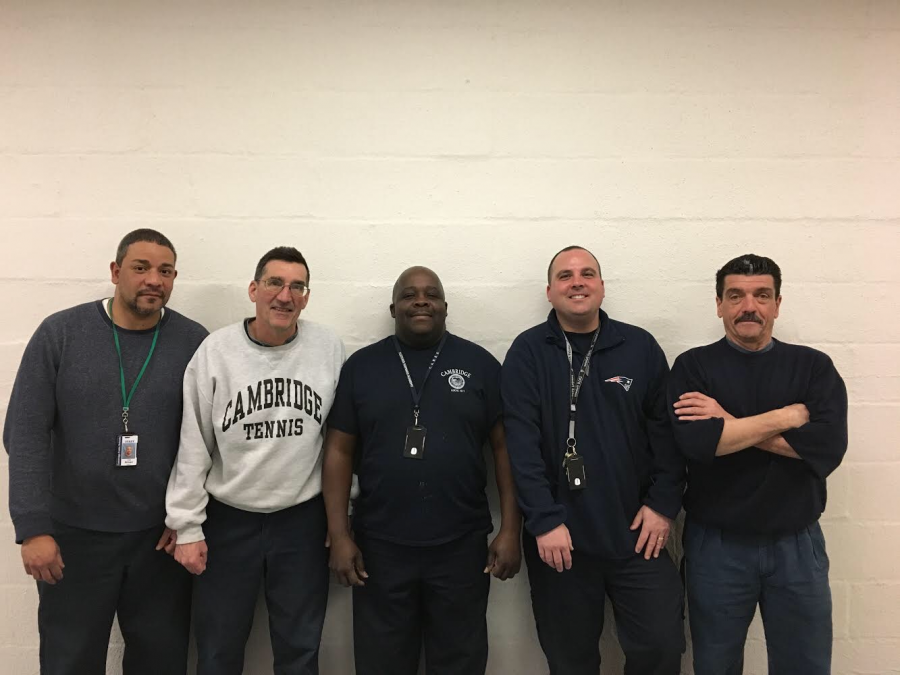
[[414, 448], [574, 466]]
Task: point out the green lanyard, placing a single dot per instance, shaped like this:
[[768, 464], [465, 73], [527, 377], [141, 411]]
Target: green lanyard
[[126, 398]]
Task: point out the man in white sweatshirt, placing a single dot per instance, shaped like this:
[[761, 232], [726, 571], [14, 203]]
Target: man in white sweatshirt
[[245, 493]]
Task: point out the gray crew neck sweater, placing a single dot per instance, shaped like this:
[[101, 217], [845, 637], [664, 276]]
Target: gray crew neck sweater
[[65, 416]]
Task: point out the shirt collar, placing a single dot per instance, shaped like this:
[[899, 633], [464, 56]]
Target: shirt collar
[[266, 344], [609, 333], [743, 350]]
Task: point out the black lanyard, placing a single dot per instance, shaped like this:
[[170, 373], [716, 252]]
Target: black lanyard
[[417, 395], [575, 386]]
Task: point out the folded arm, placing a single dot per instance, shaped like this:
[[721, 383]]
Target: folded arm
[[762, 431]]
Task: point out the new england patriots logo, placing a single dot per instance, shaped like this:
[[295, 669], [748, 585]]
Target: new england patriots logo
[[621, 379]]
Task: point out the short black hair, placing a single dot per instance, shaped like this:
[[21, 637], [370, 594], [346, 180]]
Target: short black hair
[[143, 234], [749, 265], [572, 248], [283, 253]]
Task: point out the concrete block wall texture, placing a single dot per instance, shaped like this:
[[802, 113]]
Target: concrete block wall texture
[[478, 137]]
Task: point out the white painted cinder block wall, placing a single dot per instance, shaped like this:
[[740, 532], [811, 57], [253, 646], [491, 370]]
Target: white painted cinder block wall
[[478, 137]]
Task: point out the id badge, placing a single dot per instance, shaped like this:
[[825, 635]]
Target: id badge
[[574, 465], [126, 452], [414, 448]]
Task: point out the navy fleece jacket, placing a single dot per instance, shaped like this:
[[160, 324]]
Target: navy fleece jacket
[[622, 431]]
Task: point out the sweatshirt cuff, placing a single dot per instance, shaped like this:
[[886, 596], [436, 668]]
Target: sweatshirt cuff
[[32, 525], [543, 523], [668, 507], [189, 535]]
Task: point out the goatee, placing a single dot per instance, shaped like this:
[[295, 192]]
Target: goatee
[[140, 311]]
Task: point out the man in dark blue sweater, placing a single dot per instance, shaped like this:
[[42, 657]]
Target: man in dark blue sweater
[[91, 431], [598, 476], [762, 424]]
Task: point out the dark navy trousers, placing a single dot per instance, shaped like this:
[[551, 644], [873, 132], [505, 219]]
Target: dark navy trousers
[[110, 573], [282, 552], [648, 603], [415, 596], [729, 574]]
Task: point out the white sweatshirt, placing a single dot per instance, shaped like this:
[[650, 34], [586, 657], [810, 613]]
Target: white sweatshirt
[[253, 424]]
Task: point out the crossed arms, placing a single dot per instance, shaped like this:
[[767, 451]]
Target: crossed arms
[[814, 431], [762, 431]]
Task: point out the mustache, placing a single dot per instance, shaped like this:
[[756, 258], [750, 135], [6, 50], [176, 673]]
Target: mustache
[[748, 317]]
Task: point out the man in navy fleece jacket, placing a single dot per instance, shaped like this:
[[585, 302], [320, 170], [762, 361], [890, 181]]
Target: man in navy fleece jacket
[[599, 485]]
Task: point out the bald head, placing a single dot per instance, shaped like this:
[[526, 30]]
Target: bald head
[[403, 281], [419, 308]]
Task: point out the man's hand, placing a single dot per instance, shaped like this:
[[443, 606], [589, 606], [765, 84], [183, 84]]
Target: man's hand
[[555, 548], [167, 541], [346, 561], [655, 529], [42, 559], [504, 555], [192, 556], [693, 406]]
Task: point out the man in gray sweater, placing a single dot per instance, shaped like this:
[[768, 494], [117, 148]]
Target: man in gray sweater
[[91, 431]]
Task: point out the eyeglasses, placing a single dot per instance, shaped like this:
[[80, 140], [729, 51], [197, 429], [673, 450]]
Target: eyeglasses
[[276, 285]]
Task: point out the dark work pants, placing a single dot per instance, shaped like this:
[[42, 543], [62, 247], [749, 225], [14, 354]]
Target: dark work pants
[[108, 573], [435, 594], [729, 574], [284, 552], [648, 603]]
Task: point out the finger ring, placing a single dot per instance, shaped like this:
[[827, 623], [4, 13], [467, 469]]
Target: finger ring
[[660, 538]]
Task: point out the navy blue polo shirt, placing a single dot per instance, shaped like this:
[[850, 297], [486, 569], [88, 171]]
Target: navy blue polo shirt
[[442, 496]]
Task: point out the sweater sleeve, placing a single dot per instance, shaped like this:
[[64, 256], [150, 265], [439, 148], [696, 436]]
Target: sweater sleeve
[[522, 423], [186, 495], [697, 440], [27, 435], [822, 442], [667, 474]]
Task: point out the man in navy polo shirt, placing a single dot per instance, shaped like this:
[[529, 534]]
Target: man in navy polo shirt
[[412, 414], [599, 478]]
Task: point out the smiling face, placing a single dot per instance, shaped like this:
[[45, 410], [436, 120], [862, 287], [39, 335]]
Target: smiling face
[[576, 290], [419, 308], [748, 309], [277, 311], [145, 278]]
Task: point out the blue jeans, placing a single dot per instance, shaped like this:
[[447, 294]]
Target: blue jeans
[[787, 575]]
